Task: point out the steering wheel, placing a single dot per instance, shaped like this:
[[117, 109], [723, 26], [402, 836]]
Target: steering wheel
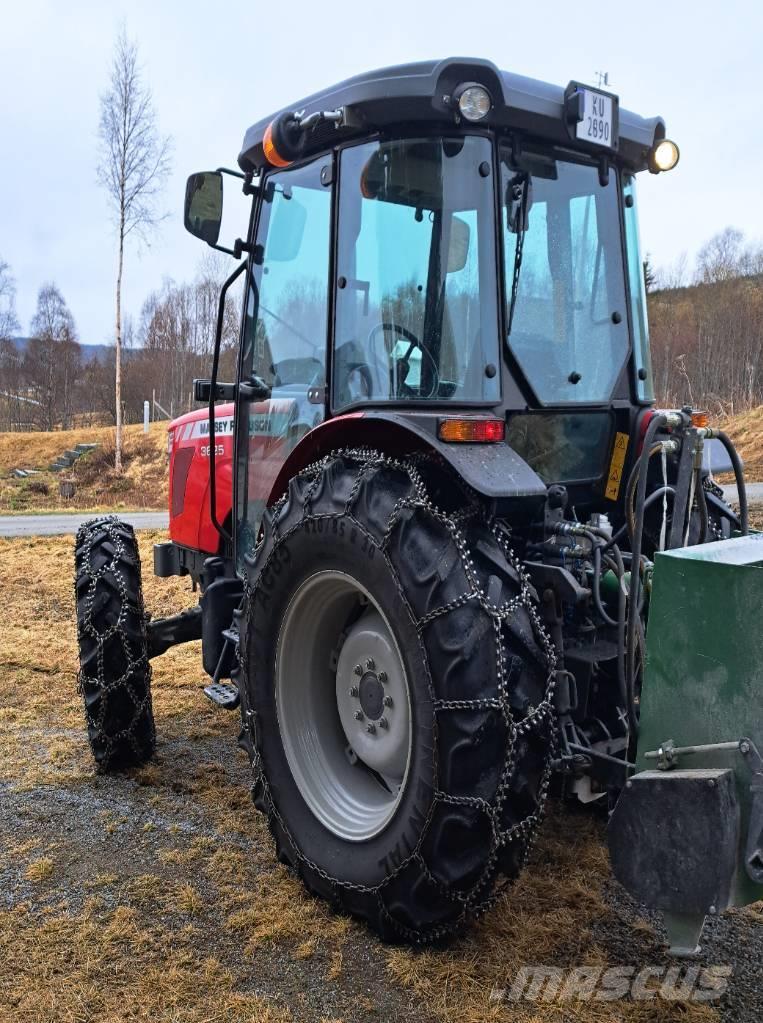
[[413, 342]]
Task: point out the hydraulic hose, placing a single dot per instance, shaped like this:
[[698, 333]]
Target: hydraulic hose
[[631, 489], [704, 514], [600, 542], [655, 423], [654, 496], [736, 462]]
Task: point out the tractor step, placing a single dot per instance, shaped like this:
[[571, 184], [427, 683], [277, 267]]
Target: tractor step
[[224, 694]]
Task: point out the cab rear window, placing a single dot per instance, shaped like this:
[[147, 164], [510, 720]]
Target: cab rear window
[[562, 447]]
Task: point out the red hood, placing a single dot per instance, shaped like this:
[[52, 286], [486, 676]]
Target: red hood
[[202, 413]]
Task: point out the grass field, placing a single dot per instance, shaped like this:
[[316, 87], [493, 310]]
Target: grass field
[[154, 895], [143, 484]]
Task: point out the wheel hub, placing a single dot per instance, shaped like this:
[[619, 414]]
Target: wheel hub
[[371, 695], [343, 714], [380, 733]]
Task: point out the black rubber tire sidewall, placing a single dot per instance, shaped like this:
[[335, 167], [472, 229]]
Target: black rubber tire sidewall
[[115, 673], [339, 544]]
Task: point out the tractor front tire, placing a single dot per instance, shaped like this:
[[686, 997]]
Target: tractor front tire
[[396, 694], [115, 674]]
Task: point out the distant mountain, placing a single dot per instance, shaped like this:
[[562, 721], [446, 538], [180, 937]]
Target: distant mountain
[[89, 352]]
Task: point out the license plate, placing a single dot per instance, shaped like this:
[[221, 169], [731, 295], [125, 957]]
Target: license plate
[[596, 125]]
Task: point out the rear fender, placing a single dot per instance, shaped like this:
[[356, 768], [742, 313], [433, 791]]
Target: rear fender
[[494, 470]]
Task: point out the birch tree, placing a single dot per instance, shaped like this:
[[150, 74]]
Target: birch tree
[[9, 324], [134, 161]]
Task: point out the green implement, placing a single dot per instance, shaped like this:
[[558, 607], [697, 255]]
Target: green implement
[[686, 836]]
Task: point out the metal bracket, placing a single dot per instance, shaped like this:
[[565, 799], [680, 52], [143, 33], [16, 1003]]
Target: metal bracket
[[335, 117]]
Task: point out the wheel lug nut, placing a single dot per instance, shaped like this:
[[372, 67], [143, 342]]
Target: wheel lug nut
[[382, 677], [354, 690], [358, 715], [383, 723], [370, 727], [370, 664], [387, 701], [358, 669]]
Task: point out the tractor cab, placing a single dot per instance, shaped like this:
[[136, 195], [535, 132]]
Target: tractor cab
[[450, 249]]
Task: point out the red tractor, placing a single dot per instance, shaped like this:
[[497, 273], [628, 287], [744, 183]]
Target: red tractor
[[424, 518]]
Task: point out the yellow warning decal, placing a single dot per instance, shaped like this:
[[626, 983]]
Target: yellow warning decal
[[616, 466]]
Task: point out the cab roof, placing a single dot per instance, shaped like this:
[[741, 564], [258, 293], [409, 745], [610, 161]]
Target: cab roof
[[408, 94]]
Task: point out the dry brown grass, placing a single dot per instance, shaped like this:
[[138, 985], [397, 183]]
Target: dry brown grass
[[111, 967], [143, 484], [746, 430], [39, 870], [549, 917], [137, 944]]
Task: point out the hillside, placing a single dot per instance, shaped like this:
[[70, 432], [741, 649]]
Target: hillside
[[746, 430], [88, 352], [143, 484]]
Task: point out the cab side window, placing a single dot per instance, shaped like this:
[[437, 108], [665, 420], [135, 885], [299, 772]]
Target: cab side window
[[285, 335], [287, 310]]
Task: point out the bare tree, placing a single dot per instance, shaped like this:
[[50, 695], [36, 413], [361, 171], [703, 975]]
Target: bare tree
[[134, 164], [52, 360], [650, 274], [721, 258], [9, 324]]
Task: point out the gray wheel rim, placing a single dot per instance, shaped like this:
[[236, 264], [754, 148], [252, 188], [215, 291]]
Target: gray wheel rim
[[343, 705]]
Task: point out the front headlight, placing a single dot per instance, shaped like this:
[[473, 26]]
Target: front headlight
[[663, 157], [473, 101]]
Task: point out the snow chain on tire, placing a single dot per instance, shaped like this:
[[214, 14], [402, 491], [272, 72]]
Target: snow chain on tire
[[516, 807], [115, 674]]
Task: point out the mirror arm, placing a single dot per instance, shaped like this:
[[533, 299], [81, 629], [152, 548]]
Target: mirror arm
[[212, 390], [233, 173], [239, 246]]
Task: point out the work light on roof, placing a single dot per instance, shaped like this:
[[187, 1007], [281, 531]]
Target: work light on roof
[[663, 156], [474, 101]]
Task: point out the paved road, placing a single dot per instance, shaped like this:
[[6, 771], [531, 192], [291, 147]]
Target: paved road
[[52, 525], [754, 492]]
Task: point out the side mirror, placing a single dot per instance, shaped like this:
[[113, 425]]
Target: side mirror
[[203, 212]]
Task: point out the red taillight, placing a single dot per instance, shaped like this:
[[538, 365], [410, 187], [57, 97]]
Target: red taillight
[[472, 431]]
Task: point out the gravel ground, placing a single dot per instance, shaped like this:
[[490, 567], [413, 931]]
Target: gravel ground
[[70, 823]]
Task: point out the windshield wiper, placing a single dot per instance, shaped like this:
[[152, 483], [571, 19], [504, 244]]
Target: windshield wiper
[[518, 194]]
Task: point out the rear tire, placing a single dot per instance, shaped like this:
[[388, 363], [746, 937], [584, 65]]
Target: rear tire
[[115, 675], [477, 667]]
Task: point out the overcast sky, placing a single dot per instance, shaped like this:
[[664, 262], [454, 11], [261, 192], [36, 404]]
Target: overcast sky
[[216, 67]]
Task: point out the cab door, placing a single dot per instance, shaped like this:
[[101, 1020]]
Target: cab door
[[284, 337]]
